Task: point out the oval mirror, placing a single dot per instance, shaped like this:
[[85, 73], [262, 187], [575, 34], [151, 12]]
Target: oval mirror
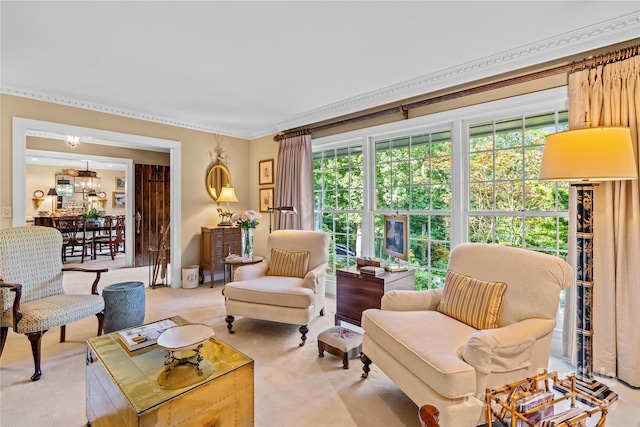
[[217, 177]]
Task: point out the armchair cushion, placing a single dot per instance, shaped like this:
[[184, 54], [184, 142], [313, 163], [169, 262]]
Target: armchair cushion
[[288, 263], [53, 311], [272, 290], [475, 302], [434, 360]]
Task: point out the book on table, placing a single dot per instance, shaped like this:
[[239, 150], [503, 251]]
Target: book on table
[[145, 335], [562, 417], [374, 271]]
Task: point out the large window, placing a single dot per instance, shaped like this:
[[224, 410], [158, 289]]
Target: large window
[[464, 175], [413, 177], [507, 203], [338, 191]]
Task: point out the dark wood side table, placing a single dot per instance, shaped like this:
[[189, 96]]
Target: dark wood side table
[[215, 244], [356, 292]]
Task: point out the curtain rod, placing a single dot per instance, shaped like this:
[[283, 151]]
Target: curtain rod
[[605, 58]]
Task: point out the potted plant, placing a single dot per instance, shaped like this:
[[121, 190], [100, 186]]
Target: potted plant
[[93, 217]]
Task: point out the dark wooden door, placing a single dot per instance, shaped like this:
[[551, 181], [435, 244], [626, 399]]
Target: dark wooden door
[[152, 211]]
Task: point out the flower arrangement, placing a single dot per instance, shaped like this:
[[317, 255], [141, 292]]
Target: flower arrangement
[[247, 219]]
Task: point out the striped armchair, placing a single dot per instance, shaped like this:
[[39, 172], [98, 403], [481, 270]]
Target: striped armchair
[[32, 298]]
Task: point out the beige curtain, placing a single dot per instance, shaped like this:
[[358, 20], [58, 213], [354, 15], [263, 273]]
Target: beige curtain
[[610, 95], [295, 183]]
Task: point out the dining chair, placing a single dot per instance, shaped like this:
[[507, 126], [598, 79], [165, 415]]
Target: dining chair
[[74, 234], [114, 237]]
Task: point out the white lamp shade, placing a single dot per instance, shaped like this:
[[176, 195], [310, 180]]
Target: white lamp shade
[[227, 194], [589, 154]]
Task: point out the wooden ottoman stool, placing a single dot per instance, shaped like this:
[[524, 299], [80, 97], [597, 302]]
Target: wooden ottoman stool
[[341, 342]]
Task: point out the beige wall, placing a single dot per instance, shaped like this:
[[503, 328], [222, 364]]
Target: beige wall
[[197, 208], [261, 149]]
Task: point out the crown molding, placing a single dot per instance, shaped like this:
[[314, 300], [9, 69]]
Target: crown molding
[[624, 28], [57, 99]]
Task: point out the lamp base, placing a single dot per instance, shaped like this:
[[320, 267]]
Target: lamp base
[[593, 388]]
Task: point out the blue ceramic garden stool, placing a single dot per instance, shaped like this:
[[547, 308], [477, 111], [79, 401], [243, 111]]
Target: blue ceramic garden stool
[[124, 305]]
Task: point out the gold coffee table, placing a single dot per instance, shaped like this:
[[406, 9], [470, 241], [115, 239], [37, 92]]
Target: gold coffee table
[[131, 389]]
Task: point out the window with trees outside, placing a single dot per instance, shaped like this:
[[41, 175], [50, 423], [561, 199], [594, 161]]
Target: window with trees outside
[[508, 205], [468, 178], [338, 191]]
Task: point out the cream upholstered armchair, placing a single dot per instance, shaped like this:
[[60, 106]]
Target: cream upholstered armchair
[[32, 299], [288, 287], [490, 325]]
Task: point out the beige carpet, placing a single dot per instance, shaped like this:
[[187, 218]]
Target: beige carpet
[[293, 386]]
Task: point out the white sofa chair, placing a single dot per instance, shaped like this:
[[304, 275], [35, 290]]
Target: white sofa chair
[[438, 360], [288, 286]]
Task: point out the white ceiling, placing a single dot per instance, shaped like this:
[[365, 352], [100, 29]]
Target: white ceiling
[[249, 69]]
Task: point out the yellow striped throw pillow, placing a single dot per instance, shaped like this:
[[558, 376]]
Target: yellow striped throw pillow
[[475, 302], [288, 264]]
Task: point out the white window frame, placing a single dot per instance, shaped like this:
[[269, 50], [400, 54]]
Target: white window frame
[[459, 121]]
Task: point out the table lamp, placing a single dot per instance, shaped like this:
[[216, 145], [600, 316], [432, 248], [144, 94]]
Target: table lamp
[[54, 193], [227, 195]]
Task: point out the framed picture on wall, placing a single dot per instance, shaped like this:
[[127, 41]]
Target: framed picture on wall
[[118, 199], [120, 183], [265, 172], [266, 199]]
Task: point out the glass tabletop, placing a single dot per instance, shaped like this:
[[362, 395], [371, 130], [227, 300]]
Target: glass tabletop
[[137, 373]]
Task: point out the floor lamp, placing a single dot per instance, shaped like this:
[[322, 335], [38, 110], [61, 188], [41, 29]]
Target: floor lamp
[[584, 157], [284, 209]]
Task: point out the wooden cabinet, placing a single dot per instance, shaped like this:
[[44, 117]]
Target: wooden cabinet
[[356, 292], [215, 244]]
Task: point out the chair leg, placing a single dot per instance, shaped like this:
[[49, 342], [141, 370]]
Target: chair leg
[[63, 333], [303, 330], [229, 320], [111, 245], [366, 362], [100, 317], [4, 331], [36, 345]]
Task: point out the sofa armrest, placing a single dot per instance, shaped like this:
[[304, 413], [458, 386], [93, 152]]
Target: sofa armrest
[[251, 271], [314, 279], [508, 348], [403, 300]]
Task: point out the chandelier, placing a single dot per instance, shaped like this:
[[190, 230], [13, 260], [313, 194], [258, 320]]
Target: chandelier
[[72, 141], [87, 181]]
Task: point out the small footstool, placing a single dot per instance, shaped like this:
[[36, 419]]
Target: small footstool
[[341, 342]]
